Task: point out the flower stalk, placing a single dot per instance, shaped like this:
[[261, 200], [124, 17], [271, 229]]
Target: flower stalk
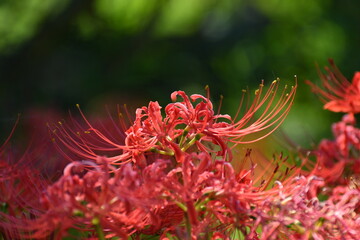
[[96, 222]]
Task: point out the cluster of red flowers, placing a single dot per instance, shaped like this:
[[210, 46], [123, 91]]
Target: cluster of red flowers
[[170, 175]]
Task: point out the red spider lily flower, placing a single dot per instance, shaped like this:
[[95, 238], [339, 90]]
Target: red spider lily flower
[[88, 197], [199, 195], [20, 188], [213, 196], [21, 184], [339, 158], [296, 213], [169, 176], [347, 136], [21, 179], [339, 95], [185, 125], [104, 137]]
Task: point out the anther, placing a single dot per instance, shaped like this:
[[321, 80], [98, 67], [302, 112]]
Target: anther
[[276, 168]]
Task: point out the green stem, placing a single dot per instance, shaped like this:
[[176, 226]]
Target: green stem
[[96, 222], [182, 139], [188, 226], [199, 205], [169, 152], [181, 205], [192, 141]]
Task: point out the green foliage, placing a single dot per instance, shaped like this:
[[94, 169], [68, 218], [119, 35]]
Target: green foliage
[[63, 52], [19, 20]]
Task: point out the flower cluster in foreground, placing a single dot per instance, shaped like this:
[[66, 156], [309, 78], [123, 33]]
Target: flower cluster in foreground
[[170, 174]]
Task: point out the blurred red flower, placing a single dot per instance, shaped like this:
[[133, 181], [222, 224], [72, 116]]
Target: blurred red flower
[[339, 95]]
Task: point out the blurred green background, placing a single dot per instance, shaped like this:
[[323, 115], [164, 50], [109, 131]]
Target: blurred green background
[[56, 53]]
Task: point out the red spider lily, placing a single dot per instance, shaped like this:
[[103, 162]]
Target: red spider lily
[[21, 184], [200, 195], [339, 158], [22, 178], [339, 95], [20, 188], [213, 196], [106, 136], [298, 214], [170, 176], [185, 125], [87, 196]]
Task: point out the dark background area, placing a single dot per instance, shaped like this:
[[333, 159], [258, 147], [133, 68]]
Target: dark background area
[[55, 53]]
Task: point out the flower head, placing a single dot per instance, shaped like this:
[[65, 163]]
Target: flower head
[[339, 95], [189, 122]]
